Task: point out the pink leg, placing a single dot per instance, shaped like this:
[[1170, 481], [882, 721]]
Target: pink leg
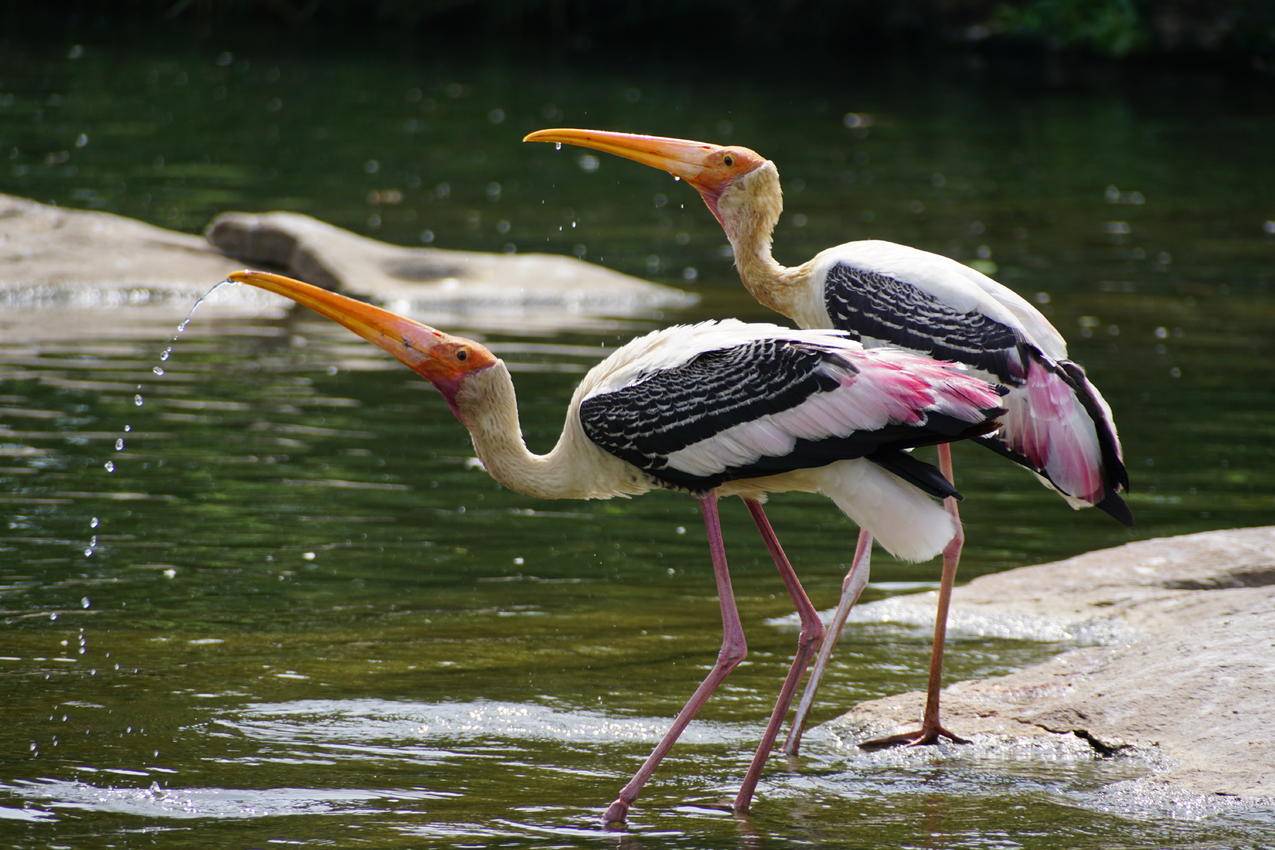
[[733, 651], [811, 635], [931, 729], [851, 589]]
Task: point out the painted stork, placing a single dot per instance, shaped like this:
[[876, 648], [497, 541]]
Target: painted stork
[[714, 409], [1058, 425]]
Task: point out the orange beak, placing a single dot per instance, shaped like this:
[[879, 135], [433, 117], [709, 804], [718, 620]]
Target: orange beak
[[682, 158], [442, 359]]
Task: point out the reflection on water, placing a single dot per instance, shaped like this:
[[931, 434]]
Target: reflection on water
[[305, 600]]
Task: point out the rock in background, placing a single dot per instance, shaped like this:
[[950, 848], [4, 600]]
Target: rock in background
[[74, 272]]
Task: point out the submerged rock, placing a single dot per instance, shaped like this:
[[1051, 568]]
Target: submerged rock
[[108, 276], [1183, 674]]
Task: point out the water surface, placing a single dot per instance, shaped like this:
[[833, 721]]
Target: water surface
[[309, 618]]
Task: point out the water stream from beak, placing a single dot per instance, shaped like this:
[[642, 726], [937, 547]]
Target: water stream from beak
[[96, 522]]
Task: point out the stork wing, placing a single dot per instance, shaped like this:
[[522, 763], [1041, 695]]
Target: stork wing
[[869, 303], [773, 405]]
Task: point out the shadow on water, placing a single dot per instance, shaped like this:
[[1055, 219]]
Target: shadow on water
[[309, 615]]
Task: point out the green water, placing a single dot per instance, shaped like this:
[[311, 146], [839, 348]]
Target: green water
[[309, 620]]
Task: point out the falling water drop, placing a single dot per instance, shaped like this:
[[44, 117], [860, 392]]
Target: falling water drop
[[557, 146], [677, 179], [138, 401], [85, 602]]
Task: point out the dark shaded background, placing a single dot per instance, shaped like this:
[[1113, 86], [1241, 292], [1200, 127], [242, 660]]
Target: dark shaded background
[[1238, 35]]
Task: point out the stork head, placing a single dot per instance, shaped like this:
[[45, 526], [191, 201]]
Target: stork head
[[736, 183], [444, 360]]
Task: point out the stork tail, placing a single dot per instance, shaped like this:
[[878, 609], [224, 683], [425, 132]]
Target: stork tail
[[1060, 427]]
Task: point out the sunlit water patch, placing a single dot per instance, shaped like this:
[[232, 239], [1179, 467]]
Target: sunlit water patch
[[321, 722], [155, 801]]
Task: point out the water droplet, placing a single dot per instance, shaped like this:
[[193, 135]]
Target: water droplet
[[164, 355], [557, 146], [128, 428], [53, 615], [94, 522], [519, 561], [119, 444], [182, 327], [309, 556], [158, 370], [88, 553], [573, 225], [677, 179], [109, 466], [137, 399], [170, 573], [85, 602], [93, 541]]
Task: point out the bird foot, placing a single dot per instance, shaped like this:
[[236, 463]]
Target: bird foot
[[923, 737], [616, 814]]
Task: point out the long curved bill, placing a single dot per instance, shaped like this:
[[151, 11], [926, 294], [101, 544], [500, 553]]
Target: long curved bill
[[424, 350], [680, 157]]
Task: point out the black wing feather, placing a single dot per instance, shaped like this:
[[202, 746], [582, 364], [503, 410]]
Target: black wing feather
[[667, 410], [871, 304]]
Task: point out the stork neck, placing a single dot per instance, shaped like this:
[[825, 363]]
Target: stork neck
[[763, 276], [749, 214], [488, 407]]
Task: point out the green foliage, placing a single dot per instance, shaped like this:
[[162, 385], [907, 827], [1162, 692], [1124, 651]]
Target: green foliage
[[1110, 27]]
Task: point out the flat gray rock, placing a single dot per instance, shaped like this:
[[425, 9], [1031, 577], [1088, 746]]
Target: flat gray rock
[[74, 273], [92, 274], [522, 291], [1179, 670]]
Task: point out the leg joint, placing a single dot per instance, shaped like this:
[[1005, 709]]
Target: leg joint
[[812, 634], [732, 654]]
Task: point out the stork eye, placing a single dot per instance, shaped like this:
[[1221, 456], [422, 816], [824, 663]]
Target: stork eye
[[728, 160], [462, 354]]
